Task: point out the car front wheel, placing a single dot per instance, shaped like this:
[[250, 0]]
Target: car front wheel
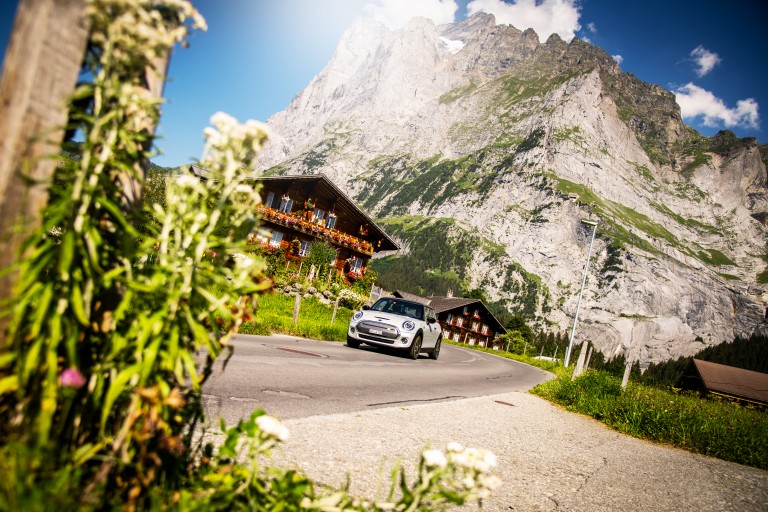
[[415, 347], [436, 351], [351, 342]]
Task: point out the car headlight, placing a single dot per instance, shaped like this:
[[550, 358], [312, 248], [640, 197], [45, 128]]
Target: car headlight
[[357, 316], [408, 325]]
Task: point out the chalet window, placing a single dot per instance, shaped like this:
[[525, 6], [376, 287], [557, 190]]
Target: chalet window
[[475, 326], [286, 203], [270, 200], [318, 216], [330, 221], [465, 310], [455, 336], [355, 265], [485, 329], [459, 322], [471, 341], [450, 318], [476, 314], [277, 237], [304, 249]]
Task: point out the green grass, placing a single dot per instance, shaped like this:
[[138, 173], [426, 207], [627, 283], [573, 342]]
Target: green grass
[[274, 315], [712, 427]]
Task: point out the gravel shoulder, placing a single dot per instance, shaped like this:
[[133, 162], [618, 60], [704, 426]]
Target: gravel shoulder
[[549, 459]]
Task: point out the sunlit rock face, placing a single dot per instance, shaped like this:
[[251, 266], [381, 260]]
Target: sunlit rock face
[[506, 144]]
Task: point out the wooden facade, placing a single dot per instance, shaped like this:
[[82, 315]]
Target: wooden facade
[[298, 210], [463, 320]]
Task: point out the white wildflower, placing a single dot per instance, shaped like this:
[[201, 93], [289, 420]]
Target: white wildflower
[[187, 181], [434, 459], [454, 447], [477, 459], [272, 427], [491, 482]]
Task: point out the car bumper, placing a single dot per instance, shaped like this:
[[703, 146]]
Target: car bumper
[[396, 339]]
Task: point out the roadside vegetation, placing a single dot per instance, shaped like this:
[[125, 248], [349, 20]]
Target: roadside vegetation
[[122, 305], [651, 408]]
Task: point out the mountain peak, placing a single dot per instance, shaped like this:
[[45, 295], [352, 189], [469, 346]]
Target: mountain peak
[[482, 148]]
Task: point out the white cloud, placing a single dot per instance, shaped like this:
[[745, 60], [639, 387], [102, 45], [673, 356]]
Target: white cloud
[[696, 102], [396, 14], [704, 60], [546, 17], [592, 27], [618, 58]]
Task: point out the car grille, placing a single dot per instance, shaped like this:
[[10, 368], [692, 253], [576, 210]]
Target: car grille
[[388, 334]]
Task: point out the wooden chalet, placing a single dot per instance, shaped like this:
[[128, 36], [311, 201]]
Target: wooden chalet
[[298, 210], [727, 381], [462, 320]]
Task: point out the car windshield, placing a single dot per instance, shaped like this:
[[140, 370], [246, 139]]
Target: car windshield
[[399, 307]]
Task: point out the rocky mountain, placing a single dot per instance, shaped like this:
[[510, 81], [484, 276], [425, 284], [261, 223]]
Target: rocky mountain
[[483, 149]]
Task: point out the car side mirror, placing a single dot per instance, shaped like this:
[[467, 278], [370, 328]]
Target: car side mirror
[[431, 320], [366, 307]]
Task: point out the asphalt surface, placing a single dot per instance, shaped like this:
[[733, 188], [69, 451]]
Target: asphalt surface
[[292, 377], [549, 459]]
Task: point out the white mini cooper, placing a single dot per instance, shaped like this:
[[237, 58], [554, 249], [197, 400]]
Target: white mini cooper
[[397, 323]]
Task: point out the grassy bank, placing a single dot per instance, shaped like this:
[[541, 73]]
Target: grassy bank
[[274, 315], [718, 428]]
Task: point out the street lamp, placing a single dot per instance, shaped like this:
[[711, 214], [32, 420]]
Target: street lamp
[[581, 292]]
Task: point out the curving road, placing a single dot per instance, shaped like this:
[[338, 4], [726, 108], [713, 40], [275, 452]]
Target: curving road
[[291, 377]]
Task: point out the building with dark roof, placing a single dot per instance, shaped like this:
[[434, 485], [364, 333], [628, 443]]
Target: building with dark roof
[[463, 320], [728, 381], [298, 210]]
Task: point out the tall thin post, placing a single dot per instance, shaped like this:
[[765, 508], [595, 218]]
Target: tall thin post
[[581, 292], [41, 66]]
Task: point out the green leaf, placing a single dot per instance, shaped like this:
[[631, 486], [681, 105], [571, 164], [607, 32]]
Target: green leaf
[[118, 386], [9, 384], [77, 304], [41, 311], [85, 453], [66, 252]]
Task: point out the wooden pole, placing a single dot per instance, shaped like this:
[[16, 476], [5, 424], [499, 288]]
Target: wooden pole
[[296, 308], [627, 370], [41, 67], [335, 309]]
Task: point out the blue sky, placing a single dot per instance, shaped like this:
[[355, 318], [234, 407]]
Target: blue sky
[[258, 54]]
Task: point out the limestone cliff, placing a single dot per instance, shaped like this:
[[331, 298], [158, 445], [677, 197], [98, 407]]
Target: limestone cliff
[[504, 144]]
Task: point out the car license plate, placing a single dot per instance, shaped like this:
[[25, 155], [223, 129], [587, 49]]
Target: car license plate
[[375, 331]]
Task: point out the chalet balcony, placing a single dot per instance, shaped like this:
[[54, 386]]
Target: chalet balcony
[[331, 235]]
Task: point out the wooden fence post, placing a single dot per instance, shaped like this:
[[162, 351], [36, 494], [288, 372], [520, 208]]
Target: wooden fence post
[[296, 308], [41, 67], [335, 308], [627, 370]]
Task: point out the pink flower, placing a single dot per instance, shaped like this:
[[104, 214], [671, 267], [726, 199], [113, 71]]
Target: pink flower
[[72, 378]]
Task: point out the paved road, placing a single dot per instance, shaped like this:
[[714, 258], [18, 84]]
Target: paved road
[[291, 377], [359, 412]]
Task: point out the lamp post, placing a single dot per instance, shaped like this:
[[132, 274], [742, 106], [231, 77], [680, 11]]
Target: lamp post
[[581, 292]]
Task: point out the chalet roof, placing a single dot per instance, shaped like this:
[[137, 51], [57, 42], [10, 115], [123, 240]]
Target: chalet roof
[[443, 304], [321, 185], [410, 296], [732, 381]]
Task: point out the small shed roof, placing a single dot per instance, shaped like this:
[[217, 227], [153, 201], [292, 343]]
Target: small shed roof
[[732, 381]]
